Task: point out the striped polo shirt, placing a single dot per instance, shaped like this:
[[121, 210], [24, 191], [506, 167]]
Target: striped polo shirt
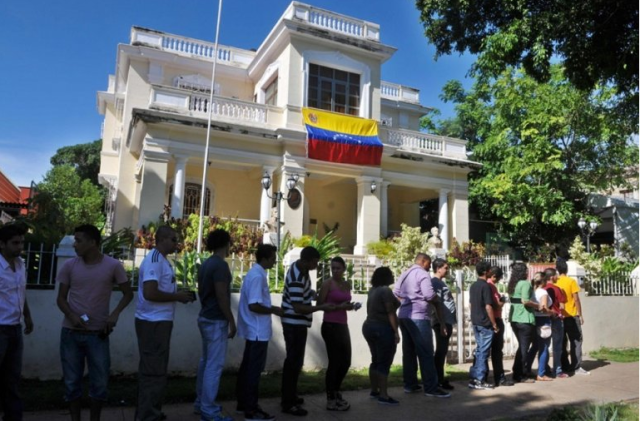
[[297, 289]]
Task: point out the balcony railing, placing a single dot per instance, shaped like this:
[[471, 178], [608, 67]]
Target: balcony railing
[[333, 22], [396, 92], [190, 47], [196, 104], [424, 143]]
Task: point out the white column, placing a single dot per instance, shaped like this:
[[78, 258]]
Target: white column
[[384, 209], [443, 218], [460, 216], [178, 186], [293, 219], [265, 202], [368, 223], [152, 186]]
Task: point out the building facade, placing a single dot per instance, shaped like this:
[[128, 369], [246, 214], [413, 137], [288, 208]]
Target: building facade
[[157, 107]]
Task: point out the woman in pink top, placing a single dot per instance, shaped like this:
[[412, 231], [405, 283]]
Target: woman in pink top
[[335, 332]]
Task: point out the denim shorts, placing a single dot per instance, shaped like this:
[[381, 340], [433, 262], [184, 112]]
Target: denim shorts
[[76, 347]]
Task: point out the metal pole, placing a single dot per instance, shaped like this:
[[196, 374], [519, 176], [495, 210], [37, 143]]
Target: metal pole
[[588, 242], [205, 164], [278, 224], [460, 340]]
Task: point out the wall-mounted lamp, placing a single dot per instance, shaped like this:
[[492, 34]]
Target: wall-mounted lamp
[[374, 186], [291, 184]]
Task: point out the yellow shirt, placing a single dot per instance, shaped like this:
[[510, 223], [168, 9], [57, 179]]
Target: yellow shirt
[[570, 287]]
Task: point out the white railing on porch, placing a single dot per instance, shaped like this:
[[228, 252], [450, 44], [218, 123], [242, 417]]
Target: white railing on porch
[[424, 143], [333, 22], [196, 104], [190, 47], [396, 92]]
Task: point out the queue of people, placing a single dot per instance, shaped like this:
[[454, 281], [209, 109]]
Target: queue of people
[[544, 312]]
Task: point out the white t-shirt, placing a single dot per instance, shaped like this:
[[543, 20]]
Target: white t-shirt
[[155, 267], [255, 290], [537, 297]]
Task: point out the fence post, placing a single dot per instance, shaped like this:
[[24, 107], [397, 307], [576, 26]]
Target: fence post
[[65, 251], [460, 305]]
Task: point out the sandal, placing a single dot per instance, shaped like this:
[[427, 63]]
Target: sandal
[[295, 410], [544, 379]]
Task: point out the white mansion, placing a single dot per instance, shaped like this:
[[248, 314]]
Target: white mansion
[[156, 110]]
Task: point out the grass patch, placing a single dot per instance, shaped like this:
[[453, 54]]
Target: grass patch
[[618, 355], [48, 395]]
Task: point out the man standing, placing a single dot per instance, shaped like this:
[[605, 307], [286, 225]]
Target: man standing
[[573, 321], [416, 294], [157, 295], [296, 319], [84, 293], [497, 343], [13, 307], [216, 324], [558, 300], [484, 325], [254, 325]]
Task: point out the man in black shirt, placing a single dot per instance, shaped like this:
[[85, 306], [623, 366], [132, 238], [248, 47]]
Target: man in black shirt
[[484, 325]]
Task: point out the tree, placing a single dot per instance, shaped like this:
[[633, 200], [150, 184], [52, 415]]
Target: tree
[[596, 40], [85, 158], [63, 201], [543, 147]]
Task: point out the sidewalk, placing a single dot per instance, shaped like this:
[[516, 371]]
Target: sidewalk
[[608, 382]]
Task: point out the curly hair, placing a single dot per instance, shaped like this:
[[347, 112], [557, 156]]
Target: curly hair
[[519, 272]]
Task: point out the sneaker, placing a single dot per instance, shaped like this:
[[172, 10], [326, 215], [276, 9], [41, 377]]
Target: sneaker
[[334, 405], [259, 415], [296, 410], [562, 376], [438, 393], [389, 401], [374, 395], [526, 380], [504, 382], [478, 385], [582, 371], [446, 386], [341, 402], [412, 389]]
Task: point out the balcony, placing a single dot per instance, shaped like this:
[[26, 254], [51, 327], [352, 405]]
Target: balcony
[[396, 92], [196, 104], [333, 22], [424, 143], [189, 47]]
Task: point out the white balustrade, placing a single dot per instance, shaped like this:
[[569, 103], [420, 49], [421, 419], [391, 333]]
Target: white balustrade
[[397, 92], [334, 22], [229, 108], [416, 141]]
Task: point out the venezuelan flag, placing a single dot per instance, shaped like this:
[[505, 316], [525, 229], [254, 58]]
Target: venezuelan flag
[[342, 138]]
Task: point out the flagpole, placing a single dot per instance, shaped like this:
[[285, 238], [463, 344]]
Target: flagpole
[[205, 164]]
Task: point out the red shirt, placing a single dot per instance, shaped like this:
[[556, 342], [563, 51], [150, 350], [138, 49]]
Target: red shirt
[[557, 297], [497, 308]]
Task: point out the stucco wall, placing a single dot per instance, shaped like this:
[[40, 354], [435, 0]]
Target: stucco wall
[[610, 321]]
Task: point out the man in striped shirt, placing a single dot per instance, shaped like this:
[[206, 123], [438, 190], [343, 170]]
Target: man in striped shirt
[[297, 311]]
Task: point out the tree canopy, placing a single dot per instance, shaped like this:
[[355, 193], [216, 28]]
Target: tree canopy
[[543, 148], [63, 201], [596, 40], [84, 157]]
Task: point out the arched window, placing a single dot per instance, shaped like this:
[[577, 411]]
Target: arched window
[[191, 199]]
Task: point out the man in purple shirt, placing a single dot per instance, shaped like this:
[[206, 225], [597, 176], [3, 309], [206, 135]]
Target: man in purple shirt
[[416, 294]]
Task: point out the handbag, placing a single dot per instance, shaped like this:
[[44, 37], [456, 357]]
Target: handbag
[[544, 331]]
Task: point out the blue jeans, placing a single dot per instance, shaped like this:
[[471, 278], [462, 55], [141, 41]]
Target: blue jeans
[[11, 347], [254, 360], [484, 336], [382, 344], [417, 346], [557, 334], [76, 347], [214, 350], [543, 345]]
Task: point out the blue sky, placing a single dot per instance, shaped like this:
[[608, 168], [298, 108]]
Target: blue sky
[[57, 55]]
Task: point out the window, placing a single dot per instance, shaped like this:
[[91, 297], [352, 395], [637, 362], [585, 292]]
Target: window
[[271, 93], [333, 90], [191, 199]]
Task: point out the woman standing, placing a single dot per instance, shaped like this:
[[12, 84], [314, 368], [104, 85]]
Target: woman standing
[[335, 332], [543, 324], [522, 320], [380, 329], [443, 319]]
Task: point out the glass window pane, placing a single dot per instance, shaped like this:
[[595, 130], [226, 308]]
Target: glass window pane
[[341, 75], [313, 69], [326, 72]]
